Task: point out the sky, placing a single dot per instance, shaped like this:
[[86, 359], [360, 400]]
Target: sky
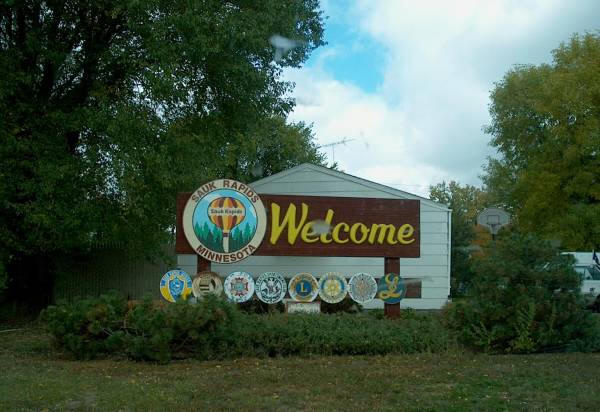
[[409, 81]]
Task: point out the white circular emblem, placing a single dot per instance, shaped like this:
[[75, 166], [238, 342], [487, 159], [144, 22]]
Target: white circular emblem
[[303, 287], [239, 286], [224, 221], [271, 287], [205, 283], [362, 287], [332, 287]]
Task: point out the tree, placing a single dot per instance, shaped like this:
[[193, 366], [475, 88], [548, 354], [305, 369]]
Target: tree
[[111, 107], [546, 128], [525, 297], [466, 202]]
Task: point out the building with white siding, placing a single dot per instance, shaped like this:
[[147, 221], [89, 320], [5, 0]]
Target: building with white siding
[[432, 268]]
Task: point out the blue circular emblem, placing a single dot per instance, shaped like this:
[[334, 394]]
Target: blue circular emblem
[[391, 288], [303, 287], [175, 285]]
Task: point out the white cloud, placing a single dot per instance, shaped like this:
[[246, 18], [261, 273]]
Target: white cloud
[[423, 124]]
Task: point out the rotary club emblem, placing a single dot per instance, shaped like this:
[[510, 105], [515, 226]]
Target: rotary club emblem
[[271, 287], [332, 287], [239, 287], [391, 288], [303, 287], [362, 287], [175, 285], [205, 283]]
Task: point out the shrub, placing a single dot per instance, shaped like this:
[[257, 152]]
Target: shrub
[[88, 327], [214, 329], [255, 305], [157, 332], [336, 334], [524, 297]]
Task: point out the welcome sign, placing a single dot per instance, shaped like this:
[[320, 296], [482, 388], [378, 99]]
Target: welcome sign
[[225, 221]]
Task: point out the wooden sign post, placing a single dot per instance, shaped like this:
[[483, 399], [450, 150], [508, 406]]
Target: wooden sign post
[[203, 265], [391, 265]]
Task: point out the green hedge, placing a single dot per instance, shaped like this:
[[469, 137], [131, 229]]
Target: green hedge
[[215, 329], [337, 334]]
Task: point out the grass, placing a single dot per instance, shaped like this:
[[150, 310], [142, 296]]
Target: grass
[[37, 377]]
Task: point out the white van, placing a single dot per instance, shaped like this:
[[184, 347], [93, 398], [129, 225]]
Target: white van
[[589, 271]]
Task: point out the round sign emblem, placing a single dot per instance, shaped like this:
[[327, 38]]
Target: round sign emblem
[[205, 283], [175, 285], [239, 286], [332, 287], [391, 288], [362, 287], [224, 221], [303, 287], [271, 287]]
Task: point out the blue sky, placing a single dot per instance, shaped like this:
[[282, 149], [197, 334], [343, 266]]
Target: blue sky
[[409, 81], [351, 56]]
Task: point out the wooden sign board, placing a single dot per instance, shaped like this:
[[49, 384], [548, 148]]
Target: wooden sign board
[[356, 227]]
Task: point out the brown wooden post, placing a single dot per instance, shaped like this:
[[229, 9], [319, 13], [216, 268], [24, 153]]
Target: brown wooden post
[[391, 265], [203, 265]]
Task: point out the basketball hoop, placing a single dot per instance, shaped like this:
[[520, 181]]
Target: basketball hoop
[[493, 219]]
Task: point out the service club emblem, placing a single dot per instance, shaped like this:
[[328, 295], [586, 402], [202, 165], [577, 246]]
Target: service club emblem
[[239, 287], [205, 283], [391, 288], [303, 287], [271, 287], [362, 287], [332, 287]]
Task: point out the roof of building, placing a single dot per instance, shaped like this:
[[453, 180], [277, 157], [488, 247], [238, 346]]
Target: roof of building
[[349, 178]]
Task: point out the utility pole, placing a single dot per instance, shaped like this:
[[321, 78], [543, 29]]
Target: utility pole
[[333, 145]]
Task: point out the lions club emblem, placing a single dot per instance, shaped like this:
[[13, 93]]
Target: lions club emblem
[[271, 287], [362, 287], [224, 221], [332, 287], [175, 285], [239, 287], [303, 287]]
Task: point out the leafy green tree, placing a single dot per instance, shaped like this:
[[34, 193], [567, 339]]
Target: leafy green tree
[[525, 297], [109, 108], [466, 202], [546, 129]]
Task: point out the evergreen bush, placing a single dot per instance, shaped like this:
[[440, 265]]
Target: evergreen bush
[[333, 334], [87, 327], [158, 332], [216, 329], [525, 297]]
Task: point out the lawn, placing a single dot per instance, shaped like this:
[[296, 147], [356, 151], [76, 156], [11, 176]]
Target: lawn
[[37, 377]]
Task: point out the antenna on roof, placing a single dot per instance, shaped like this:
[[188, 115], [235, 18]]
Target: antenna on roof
[[334, 144]]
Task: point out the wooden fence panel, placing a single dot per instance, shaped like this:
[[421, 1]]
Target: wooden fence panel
[[113, 268]]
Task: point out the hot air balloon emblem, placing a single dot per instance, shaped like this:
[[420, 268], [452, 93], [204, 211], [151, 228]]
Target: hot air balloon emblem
[[226, 213], [224, 221]]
